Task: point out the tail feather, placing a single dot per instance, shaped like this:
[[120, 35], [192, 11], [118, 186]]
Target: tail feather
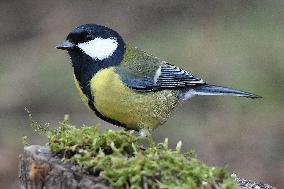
[[208, 90]]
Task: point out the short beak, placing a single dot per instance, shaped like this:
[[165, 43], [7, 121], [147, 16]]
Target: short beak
[[66, 45]]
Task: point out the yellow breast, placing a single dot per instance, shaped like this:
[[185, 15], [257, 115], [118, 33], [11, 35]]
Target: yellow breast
[[137, 110]]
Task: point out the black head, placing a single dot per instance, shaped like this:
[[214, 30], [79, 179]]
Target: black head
[[94, 42], [92, 48]]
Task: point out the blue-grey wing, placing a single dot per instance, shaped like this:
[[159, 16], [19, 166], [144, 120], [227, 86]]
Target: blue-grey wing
[[165, 76]]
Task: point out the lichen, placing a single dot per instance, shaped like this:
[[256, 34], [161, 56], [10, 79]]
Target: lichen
[[120, 158]]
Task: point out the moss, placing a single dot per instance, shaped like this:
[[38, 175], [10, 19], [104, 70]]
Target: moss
[[120, 158]]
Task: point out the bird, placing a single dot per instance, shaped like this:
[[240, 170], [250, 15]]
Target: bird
[[129, 87]]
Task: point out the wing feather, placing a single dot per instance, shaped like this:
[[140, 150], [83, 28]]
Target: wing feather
[[145, 72], [173, 76]]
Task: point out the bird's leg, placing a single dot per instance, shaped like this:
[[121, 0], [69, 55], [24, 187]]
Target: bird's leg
[[147, 134], [144, 133]]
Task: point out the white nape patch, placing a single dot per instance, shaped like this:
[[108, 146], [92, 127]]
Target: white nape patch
[[99, 48], [157, 74]]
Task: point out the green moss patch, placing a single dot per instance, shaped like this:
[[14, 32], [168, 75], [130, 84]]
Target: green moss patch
[[120, 158]]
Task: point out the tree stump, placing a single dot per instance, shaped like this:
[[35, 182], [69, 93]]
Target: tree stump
[[38, 169]]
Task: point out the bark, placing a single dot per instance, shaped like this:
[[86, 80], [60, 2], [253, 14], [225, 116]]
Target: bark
[[38, 169]]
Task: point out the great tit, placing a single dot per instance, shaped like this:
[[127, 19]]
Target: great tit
[[126, 86]]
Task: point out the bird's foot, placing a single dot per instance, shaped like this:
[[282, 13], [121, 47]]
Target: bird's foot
[[145, 133]]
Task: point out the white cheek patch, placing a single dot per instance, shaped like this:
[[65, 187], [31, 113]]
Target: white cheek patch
[[99, 48]]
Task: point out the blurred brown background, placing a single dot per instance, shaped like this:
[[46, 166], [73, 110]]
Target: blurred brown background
[[236, 43]]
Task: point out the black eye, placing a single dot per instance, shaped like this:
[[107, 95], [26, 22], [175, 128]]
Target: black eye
[[88, 37]]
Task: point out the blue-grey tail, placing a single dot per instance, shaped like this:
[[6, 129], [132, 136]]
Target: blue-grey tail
[[218, 90]]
